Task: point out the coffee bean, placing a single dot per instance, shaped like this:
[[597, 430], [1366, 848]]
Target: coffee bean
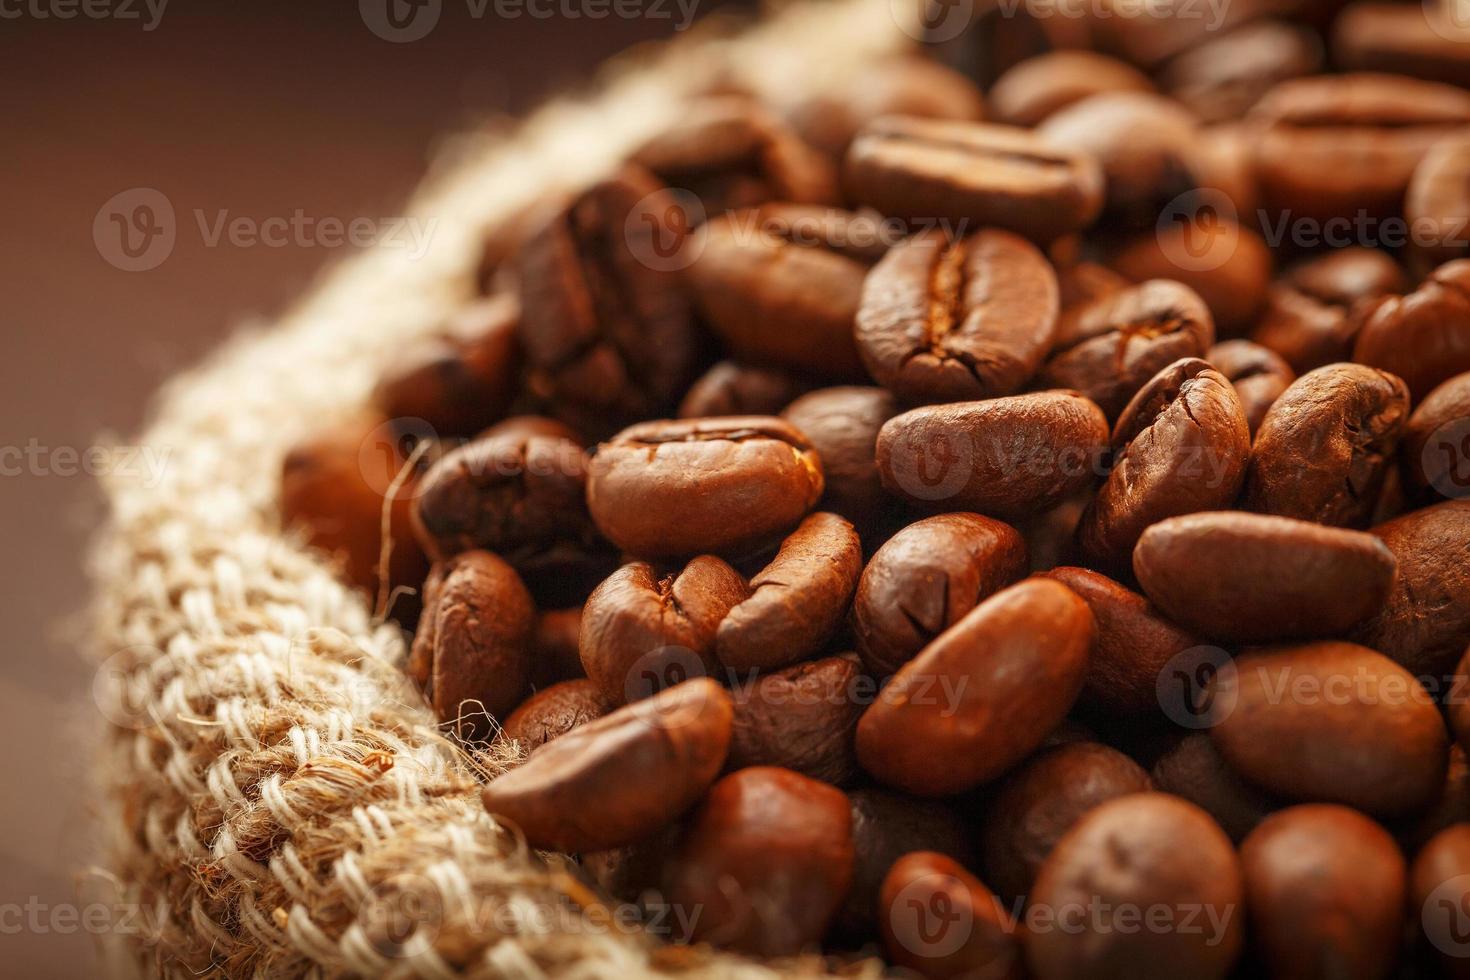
[[1258, 374], [1038, 87], [670, 488], [553, 711], [1222, 78], [1312, 315], [802, 718], [977, 936], [1007, 457], [1325, 446], [768, 859], [1134, 642], [974, 175], [643, 631], [1330, 722], [1111, 347], [983, 695], [1180, 446], [885, 827], [1336, 146], [616, 780], [842, 425], [1435, 454], [1252, 578], [1423, 337], [1042, 800], [1325, 887], [730, 388], [987, 39], [604, 325], [1437, 204], [797, 601], [1385, 37], [471, 654], [1194, 769], [1438, 890], [1139, 852], [463, 380], [780, 283], [925, 579], [1425, 624], [634, 871], [945, 320], [1079, 283], [729, 153], [1051, 537], [555, 655], [1452, 803]]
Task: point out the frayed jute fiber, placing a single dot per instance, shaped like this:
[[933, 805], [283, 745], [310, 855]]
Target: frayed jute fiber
[[276, 800]]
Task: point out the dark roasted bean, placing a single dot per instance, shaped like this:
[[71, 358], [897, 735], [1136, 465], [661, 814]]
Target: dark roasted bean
[[729, 388], [554, 711], [1258, 374], [842, 425], [803, 718]]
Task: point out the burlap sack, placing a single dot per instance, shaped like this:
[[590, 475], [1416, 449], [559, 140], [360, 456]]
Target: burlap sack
[[277, 801]]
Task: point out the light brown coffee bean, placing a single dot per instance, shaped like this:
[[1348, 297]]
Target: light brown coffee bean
[[1038, 87], [616, 780], [803, 718], [976, 935], [1423, 337], [1222, 78], [983, 695]]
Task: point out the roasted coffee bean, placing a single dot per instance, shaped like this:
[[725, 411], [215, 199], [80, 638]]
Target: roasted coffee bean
[[1141, 851], [462, 380], [1147, 146], [1007, 457], [1435, 453], [1325, 889], [334, 486], [925, 579], [643, 631], [1180, 446], [983, 695], [1339, 146], [1427, 43], [780, 283], [729, 153], [797, 601], [1109, 348], [1258, 374], [945, 320], [1227, 264], [1438, 892], [682, 487], [1312, 315], [1325, 446], [1079, 283], [993, 38], [1253, 578], [974, 174], [605, 327], [1425, 624], [1331, 722], [1194, 769], [1222, 78], [1452, 804], [472, 652], [525, 426], [553, 711], [1134, 643], [842, 425], [767, 858], [614, 781], [802, 718], [885, 827], [1423, 337], [977, 936], [1437, 204], [1039, 802], [1167, 31], [730, 388], [555, 652], [1226, 149], [1051, 537], [899, 86], [1039, 87]]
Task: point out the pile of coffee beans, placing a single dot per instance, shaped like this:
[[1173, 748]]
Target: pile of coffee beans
[[1010, 515]]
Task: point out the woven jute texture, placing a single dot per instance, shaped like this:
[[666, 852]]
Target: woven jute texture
[[275, 800]]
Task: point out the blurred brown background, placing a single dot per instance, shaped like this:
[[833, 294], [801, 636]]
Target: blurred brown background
[[259, 110]]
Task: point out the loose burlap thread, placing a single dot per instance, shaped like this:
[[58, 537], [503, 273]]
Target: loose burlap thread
[[276, 799]]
